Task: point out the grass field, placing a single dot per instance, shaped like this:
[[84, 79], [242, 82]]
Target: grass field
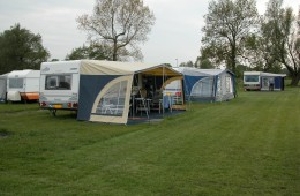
[[246, 146]]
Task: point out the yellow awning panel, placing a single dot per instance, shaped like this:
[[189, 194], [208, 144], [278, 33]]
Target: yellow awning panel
[[161, 71]]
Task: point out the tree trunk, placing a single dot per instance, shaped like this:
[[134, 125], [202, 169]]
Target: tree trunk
[[232, 58], [295, 79], [115, 49]]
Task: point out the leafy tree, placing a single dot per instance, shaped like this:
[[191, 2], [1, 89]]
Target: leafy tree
[[240, 69], [190, 64], [293, 50], [166, 64], [226, 26], [21, 49], [280, 40], [254, 56], [208, 55], [251, 56], [119, 24], [94, 52], [206, 64], [187, 64]]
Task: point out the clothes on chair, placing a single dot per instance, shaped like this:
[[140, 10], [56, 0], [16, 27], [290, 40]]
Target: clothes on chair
[[166, 102]]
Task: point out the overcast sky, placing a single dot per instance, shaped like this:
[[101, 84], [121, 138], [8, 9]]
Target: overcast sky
[[175, 35]]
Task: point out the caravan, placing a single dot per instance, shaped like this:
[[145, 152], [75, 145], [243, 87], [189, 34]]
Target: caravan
[[252, 80], [23, 85], [59, 85], [258, 80]]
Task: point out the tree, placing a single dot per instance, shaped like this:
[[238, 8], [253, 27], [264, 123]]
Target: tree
[[280, 39], [291, 59], [21, 49], [119, 24], [166, 64], [187, 64], [226, 25], [206, 64], [94, 52], [255, 57], [240, 69], [208, 54]]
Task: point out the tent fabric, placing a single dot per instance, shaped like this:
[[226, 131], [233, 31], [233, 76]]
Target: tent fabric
[[104, 68], [212, 84], [190, 81], [279, 83], [92, 67], [203, 88], [90, 85], [275, 79], [270, 74], [113, 102], [105, 88]]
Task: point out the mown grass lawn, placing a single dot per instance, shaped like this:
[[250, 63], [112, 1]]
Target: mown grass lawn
[[246, 146]]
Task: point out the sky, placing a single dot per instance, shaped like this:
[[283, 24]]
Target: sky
[[175, 37]]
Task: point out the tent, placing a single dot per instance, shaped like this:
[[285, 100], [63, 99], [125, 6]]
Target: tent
[[208, 84], [3, 87], [108, 88], [272, 81]]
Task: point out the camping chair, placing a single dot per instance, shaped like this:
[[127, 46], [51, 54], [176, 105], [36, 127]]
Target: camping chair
[[106, 107], [142, 103]]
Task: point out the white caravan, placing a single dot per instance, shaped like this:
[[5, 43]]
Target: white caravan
[[252, 80], [59, 85], [23, 85], [258, 80]]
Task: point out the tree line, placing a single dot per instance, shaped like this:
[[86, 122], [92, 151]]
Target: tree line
[[235, 35], [115, 30]]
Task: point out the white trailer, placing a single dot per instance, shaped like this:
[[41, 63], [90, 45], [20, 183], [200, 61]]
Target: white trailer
[[258, 80], [59, 85], [23, 85], [252, 80]]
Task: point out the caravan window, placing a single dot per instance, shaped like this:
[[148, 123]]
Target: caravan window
[[15, 83], [251, 78], [58, 82]]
